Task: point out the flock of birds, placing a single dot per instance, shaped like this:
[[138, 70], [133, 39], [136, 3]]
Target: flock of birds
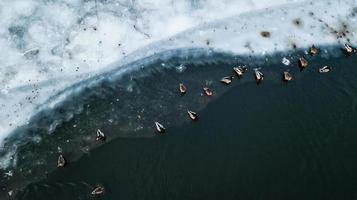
[[259, 76], [239, 71]]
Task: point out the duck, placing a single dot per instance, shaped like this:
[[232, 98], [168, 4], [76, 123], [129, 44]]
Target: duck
[[348, 50], [240, 70], [325, 69], [259, 76], [10, 193], [160, 128], [192, 115], [287, 76], [313, 50], [302, 63], [100, 135], [227, 80], [61, 161], [207, 91], [182, 88], [98, 190]]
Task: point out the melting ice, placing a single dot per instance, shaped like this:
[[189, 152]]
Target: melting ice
[[48, 46]]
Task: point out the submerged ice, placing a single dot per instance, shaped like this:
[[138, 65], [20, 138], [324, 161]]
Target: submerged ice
[[49, 46]]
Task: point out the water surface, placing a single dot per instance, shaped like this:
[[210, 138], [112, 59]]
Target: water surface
[[268, 141]]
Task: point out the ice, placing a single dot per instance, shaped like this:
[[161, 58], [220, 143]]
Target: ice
[[48, 46]]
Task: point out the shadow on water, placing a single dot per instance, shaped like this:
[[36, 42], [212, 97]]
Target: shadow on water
[[271, 141]]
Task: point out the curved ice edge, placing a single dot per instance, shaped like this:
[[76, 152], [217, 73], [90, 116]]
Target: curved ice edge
[[196, 55], [15, 138], [262, 19], [247, 25]]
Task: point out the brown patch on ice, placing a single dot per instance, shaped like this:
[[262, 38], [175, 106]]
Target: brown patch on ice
[[265, 34], [297, 22]]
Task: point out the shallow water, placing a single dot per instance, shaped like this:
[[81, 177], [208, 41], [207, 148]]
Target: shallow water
[[268, 141]]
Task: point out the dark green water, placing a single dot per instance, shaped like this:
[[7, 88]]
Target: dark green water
[[267, 141]]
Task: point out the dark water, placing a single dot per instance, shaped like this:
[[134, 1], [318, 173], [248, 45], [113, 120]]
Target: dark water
[[268, 141]]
